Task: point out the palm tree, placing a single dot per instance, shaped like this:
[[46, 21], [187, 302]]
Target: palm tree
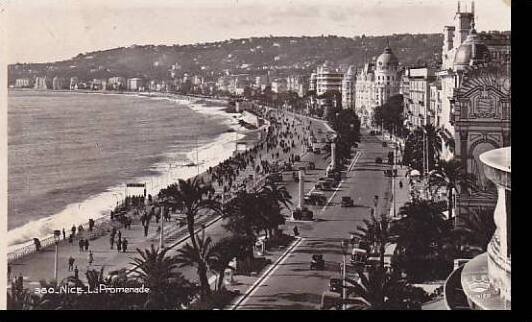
[[423, 141], [422, 234], [222, 253], [383, 290], [450, 175], [158, 272], [198, 257], [377, 232], [271, 201], [191, 197], [476, 229]]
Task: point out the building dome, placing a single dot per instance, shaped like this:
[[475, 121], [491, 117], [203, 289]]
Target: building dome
[[471, 51], [387, 59]]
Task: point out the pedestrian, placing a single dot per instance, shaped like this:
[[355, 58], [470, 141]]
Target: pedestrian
[[119, 245], [73, 229], [81, 244], [119, 234], [64, 234], [296, 231], [401, 184], [71, 263], [146, 231], [91, 258], [112, 241], [86, 244], [76, 273], [124, 245]]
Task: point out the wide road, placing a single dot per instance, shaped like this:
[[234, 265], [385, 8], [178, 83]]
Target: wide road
[[292, 285]]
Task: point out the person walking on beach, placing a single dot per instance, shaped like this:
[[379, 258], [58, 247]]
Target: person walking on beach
[[73, 229], [91, 258], [71, 263], [86, 244], [124, 245], [81, 244], [64, 234]]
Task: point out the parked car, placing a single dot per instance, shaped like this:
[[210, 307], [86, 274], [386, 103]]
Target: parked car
[[317, 150], [297, 158], [315, 198], [359, 256], [303, 214], [347, 201], [310, 149], [335, 285], [384, 144], [323, 185], [378, 160], [311, 166], [317, 262]]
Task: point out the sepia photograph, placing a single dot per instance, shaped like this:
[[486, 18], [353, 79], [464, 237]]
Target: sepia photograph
[[257, 154]]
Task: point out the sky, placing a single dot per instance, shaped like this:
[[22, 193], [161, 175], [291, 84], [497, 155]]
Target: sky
[[52, 30]]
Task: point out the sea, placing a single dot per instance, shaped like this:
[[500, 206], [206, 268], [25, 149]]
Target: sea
[[71, 154]]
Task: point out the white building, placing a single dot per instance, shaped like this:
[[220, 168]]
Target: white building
[[348, 89]]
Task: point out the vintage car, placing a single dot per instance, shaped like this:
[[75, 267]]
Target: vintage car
[[317, 262], [303, 214], [315, 198], [347, 201], [335, 284], [359, 256]]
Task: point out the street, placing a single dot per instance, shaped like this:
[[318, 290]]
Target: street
[[292, 285]]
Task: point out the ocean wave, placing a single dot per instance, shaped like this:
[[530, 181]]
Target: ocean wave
[[209, 154]]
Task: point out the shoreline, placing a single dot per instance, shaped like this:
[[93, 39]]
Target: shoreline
[[248, 137]]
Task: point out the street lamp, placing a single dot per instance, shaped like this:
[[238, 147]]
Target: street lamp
[[345, 247], [57, 234]]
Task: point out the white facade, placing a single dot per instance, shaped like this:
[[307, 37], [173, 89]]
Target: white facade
[[348, 88]]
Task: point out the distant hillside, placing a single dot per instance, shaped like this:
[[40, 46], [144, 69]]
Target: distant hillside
[[249, 55]]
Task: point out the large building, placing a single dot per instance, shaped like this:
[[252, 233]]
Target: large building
[[328, 79], [417, 101], [42, 83], [23, 83], [348, 88], [387, 76], [365, 100], [376, 83]]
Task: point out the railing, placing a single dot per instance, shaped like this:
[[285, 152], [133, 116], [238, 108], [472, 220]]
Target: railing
[[102, 225]]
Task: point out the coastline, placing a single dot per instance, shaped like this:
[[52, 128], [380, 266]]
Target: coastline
[[227, 138]]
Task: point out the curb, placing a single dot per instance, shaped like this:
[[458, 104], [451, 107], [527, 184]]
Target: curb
[[263, 277]]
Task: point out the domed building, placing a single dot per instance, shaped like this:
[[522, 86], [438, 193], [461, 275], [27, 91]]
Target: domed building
[[386, 76], [471, 52], [376, 83]]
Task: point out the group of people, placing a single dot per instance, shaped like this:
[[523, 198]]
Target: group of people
[[121, 244]]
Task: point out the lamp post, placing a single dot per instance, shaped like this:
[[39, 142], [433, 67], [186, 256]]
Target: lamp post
[[345, 245], [57, 234]]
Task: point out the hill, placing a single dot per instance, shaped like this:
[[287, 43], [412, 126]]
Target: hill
[[280, 55]]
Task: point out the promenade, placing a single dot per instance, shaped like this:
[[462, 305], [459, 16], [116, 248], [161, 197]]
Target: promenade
[[40, 266]]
